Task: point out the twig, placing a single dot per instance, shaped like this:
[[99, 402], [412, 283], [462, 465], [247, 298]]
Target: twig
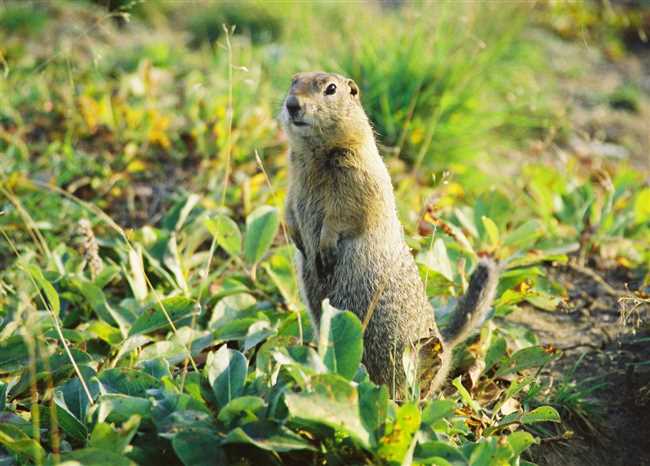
[[598, 279]]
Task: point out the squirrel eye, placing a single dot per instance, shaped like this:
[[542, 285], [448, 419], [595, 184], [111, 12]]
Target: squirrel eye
[[331, 89]]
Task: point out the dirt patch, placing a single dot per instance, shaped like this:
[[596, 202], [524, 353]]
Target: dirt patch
[[599, 349]]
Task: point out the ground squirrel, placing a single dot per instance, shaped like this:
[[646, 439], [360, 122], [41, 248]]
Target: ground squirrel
[[341, 215]]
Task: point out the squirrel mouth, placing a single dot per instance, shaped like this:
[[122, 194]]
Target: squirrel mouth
[[298, 123]]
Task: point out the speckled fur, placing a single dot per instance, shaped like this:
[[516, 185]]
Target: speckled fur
[[340, 212]]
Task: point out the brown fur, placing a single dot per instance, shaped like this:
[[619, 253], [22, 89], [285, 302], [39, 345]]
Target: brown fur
[[340, 212]]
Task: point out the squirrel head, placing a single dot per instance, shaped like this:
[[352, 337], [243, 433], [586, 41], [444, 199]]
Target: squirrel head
[[323, 111]]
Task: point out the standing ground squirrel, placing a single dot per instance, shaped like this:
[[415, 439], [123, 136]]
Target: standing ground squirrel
[[341, 215]]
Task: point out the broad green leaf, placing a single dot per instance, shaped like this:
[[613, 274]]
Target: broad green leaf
[[19, 443], [105, 332], [541, 414], [243, 409], [96, 457], [230, 308], [373, 405], [484, 453], [13, 354], [153, 318], [341, 341], [331, 401], [107, 437], [534, 356], [261, 228], [115, 407], [127, 381], [226, 371], [281, 270], [525, 235], [268, 435], [66, 420], [520, 441], [100, 305], [225, 232], [436, 410], [495, 352], [395, 444], [46, 287], [433, 452], [437, 259], [257, 333], [197, 448], [75, 396]]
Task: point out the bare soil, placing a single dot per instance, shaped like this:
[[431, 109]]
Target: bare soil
[[590, 328]]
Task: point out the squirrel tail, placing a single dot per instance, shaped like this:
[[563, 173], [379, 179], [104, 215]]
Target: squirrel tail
[[469, 314], [472, 308]]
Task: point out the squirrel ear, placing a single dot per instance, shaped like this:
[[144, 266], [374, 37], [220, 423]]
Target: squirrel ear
[[354, 89]]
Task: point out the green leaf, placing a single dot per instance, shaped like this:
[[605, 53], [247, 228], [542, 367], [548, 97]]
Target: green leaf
[[437, 259], [268, 435], [226, 371], [541, 414], [495, 352], [281, 270], [19, 443], [341, 341], [245, 409], [116, 407], [465, 396], [105, 332], [96, 457], [178, 308], [100, 305], [127, 381], [525, 235], [75, 396], [642, 206], [331, 401], [178, 214], [373, 405], [492, 230], [436, 410], [46, 287], [261, 228], [225, 232], [4, 388], [520, 441], [395, 445], [533, 356], [137, 278], [197, 448], [66, 420], [483, 454], [434, 451], [173, 262], [106, 437], [13, 354]]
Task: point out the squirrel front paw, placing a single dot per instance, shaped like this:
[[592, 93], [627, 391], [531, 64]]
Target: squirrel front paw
[[325, 261]]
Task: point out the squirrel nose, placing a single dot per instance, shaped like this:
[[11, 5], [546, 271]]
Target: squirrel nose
[[293, 105]]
